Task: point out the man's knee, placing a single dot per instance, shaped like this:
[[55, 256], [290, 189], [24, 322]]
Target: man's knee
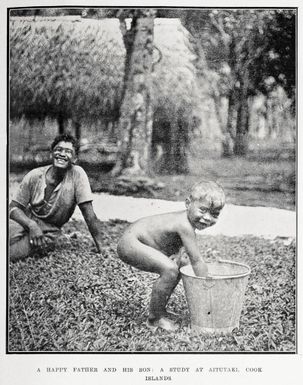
[[19, 246], [19, 242], [16, 232], [19, 249]]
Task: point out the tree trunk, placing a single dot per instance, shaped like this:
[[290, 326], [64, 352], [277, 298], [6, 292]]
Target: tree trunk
[[228, 133], [77, 127], [174, 158], [269, 120], [135, 122], [226, 129], [61, 126], [228, 136], [241, 140], [180, 165]]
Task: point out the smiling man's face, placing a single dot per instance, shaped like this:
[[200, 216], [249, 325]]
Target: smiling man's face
[[63, 155]]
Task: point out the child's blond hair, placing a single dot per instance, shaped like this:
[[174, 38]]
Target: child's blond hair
[[209, 190]]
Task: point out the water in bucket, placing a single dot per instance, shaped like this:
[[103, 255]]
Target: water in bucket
[[215, 302]]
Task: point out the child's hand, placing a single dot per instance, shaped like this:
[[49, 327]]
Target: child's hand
[[200, 269], [176, 258], [184, 258], [181, 258]]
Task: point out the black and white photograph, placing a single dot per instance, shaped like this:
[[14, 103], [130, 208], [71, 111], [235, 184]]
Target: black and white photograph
[[151, 191]]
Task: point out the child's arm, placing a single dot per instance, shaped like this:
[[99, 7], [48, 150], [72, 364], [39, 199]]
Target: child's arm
[[190, 244]]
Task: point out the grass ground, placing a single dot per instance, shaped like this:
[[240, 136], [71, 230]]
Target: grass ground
[[75, 299]]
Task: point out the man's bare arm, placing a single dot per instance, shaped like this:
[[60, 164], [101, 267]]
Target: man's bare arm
[[92, 222]]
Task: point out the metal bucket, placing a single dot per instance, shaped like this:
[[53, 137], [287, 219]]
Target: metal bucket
[[215, 302]]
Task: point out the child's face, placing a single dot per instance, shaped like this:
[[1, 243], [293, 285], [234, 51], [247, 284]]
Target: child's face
[[202, 212]]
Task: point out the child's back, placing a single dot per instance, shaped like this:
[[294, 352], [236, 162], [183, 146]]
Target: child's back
[[161, 232]]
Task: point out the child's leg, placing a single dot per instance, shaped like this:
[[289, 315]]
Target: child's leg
[[161, 292], [146, 258]]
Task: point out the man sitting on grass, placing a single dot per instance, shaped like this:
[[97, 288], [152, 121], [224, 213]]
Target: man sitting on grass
[[46, 199], [154, 244]]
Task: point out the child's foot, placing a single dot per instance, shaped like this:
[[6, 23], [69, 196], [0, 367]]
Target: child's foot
[[162, 323]]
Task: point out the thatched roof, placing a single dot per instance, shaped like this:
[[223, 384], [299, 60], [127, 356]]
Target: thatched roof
[[76, 66], [175, 81]]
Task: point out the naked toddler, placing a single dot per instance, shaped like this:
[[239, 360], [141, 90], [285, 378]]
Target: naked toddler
[[153, 244]]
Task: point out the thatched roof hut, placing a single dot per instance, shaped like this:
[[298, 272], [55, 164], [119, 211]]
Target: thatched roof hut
[[74, 66]]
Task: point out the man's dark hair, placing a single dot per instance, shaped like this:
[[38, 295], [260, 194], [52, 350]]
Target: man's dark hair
[[66, 138]]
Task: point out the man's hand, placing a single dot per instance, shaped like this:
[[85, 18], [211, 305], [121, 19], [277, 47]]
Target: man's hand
[[36, 236]]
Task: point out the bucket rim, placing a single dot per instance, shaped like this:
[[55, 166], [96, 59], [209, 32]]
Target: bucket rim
[[220, 277]]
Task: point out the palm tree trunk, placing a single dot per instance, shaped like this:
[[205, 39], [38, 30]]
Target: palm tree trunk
[[135, 123]]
